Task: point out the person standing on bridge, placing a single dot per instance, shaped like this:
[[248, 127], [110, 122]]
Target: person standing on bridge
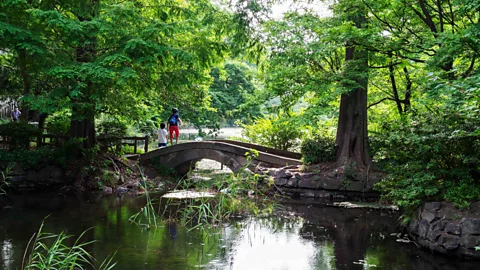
[[173, 122], [162, 136]]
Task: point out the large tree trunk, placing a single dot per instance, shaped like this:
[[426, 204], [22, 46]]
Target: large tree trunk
[[352, 138], [82, 124], [26, 82]]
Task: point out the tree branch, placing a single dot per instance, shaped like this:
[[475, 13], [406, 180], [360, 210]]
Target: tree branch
[[378, 102]]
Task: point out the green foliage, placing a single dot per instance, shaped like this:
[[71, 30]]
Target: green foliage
[[43, 156], [4, 178], [232, 93], [52, 251], [276, 131], [430, 157], [162, 169], [320, 148], [19, 134], [58, 123]]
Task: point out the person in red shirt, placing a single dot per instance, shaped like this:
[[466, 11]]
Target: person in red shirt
[[173, 122]]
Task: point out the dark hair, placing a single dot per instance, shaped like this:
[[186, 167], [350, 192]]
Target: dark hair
[[174, 110], [162, 125]]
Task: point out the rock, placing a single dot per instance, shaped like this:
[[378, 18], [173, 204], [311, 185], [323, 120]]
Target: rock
[[429, 216], [452, 228], [283, 174], [356, 186], [31, 176], [449, 242], [107, 190], [281, 181], [469, 241], [292, 182], [273, 172], [121, 190], [330, 184], [413, 227], [308, 194], [309, 181], [432, 206], [433, 234], [471, 226], [423, 227]]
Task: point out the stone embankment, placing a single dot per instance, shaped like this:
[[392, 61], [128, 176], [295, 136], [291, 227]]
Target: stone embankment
[[323, 184], [441, 227]]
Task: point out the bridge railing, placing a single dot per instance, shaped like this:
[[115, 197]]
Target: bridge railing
[[8, 142], [117, 142]]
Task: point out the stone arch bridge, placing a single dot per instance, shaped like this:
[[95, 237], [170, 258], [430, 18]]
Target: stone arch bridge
[[182, 157]]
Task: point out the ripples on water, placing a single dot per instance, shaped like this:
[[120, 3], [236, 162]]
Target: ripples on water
[[305, 236]]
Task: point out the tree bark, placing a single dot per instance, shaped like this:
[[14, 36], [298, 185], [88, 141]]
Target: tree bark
[[82, 124], [26, 82], [352, 137]]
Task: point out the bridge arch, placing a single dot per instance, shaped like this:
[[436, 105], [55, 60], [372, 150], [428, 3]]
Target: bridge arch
[[182, 157], [184, 161]]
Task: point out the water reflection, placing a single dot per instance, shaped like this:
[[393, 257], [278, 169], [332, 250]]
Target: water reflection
[[312, 237]]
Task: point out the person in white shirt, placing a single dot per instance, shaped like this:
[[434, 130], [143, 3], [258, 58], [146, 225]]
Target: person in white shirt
[[162, 136]]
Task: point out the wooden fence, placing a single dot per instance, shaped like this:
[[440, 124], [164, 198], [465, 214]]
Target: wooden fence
[[59, 140]]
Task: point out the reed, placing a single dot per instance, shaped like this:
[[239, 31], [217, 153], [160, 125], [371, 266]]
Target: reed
[[58, 255], [238, 194], [147, 216]]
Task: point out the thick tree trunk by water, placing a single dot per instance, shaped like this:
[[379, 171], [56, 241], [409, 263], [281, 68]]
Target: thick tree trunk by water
[[84, 128], [26, 82], [82, 124], [351, 140]]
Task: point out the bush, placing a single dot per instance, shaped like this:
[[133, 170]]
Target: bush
[[318, 149], [430, 157], [19, 134], [43, 156], [275, 131], [112, 128], [58, 123]]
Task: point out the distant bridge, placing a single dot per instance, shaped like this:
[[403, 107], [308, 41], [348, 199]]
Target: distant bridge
[[182, 157]]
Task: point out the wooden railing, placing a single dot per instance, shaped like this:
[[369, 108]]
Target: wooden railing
[[59, 140], [130, 141]]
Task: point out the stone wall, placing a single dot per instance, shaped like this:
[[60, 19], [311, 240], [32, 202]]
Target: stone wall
[[441, 227], [315, 184], [43, 178]]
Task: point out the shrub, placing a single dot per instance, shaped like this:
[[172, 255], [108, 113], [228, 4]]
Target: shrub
[[58, 123], [318, 149], [430, 157], [275, 131], [19, 134]]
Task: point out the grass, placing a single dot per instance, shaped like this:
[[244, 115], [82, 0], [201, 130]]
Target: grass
[[3, 180], [147, 215], [51, 251]]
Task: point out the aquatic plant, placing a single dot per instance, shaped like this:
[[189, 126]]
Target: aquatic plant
[[5, 177], [59, 255], [147, 216], [148, 211], [238, 194]]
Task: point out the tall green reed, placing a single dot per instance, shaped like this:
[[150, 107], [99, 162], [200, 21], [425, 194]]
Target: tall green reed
[[4, 179], [49, 251], [241, 193], [147, 216]]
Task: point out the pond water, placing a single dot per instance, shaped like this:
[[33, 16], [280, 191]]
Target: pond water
[[223, 133], [305, 235]]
